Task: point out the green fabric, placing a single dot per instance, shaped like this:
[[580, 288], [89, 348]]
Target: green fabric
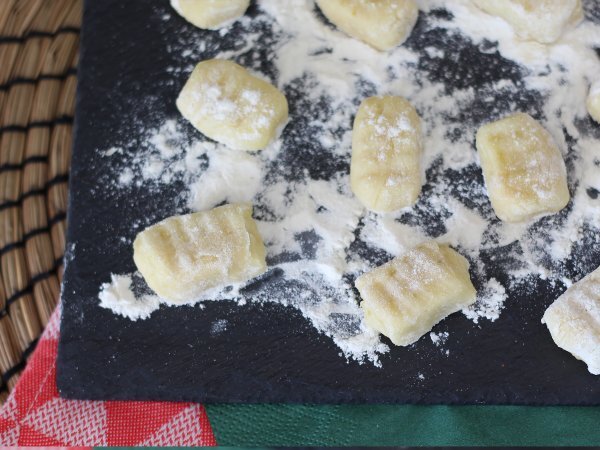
[[275, 425]]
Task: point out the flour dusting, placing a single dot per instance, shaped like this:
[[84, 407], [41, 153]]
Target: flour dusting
[[118, 297], [218, 326], [489, 304], [439, 339], [319, 238]]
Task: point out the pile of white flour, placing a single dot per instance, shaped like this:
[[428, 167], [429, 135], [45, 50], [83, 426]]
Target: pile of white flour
[[318, 236]]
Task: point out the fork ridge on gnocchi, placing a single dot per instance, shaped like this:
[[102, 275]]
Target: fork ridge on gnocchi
[[383, 24], [228, 104], [539, 20], [404, 298], [385, 168], [523, 168], [574, 321], [183, 256]]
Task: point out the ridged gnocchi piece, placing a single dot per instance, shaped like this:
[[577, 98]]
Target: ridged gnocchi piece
[[183, 256], [593, 101], [574, 321], [383, 24], [523, 168], [387, 144], [228, 104], [539, 20], [210, 14], [404, 298]]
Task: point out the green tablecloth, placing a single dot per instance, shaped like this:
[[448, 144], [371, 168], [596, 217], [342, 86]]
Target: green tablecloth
[[407, 425]]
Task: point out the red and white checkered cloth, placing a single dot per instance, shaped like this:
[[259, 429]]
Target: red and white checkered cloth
[[35, 415]]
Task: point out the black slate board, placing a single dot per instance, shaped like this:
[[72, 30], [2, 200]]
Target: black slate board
[[268, 353]]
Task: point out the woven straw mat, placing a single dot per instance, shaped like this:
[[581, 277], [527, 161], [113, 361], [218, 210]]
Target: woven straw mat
[[38, 55]]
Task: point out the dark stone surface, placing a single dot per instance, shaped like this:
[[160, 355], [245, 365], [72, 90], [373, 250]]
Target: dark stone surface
[[268, 353]]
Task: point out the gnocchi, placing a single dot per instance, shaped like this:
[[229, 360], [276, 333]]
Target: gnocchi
[[573, 321], [404, 298], [539, 20], [523, 168], [385, 169], [210, 14], [228, 104], [383, 24], [593, 101], [183, 256]]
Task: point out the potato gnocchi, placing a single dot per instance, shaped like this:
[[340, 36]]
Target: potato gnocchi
[[523, 168], [210, 14], [404, 298], [539, 20], [227, 104], [574, 321], [383, 24], [183, 256], [593, 101], [385, 170]]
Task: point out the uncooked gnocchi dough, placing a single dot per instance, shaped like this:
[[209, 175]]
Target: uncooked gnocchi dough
[[574, 321], [406, 297], [183, 256], [383, 24], [210, 14], [231, 106], [540, 20], [593, 101], [385, 170], [523, 168]]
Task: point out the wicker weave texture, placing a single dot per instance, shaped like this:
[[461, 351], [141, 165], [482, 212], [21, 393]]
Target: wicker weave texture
[[38, 55]]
